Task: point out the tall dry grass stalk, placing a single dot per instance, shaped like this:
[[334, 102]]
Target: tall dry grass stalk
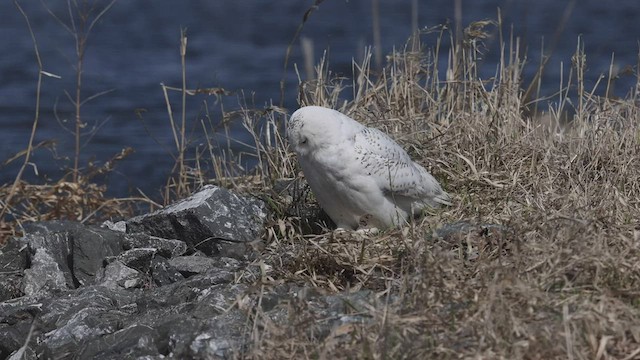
[[177, 184]]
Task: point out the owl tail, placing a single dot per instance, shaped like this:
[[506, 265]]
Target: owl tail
[[442, 198]]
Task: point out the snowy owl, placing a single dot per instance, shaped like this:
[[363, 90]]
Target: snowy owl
[[359, 173]]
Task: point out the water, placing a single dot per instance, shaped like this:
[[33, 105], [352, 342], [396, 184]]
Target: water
[[240, 45]]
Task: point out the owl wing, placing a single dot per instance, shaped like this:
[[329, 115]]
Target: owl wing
[[394, 171]]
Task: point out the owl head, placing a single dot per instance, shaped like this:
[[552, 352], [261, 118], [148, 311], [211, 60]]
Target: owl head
[[313, 128]]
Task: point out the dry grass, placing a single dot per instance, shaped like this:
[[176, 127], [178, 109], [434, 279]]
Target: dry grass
[[81, 200], [558, 278]]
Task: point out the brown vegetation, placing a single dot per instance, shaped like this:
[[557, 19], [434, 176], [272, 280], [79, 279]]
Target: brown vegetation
[[558, 279]]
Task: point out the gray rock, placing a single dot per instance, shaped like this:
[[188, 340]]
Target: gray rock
[[13, 343], [166, 247], [185, 295], [120, 226], [91, 245], [80, 316], [190, 318], [77, 249], [205, 218], [219, 337], [162, 273], [85, 324], [24, 353], [190, 265], [23, 308], [138, 258], [99, 293], [117, 274], [134, 341], [54, 226], [13, 256], [44, 276], [13, 261], [57, 242], [62, 322]]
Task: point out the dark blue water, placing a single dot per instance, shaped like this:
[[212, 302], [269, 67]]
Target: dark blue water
[[240, 45]]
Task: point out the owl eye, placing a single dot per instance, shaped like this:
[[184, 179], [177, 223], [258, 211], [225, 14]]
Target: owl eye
[[303, 140]]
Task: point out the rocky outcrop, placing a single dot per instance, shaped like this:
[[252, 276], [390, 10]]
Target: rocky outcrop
[[214, 221], [174, 283]]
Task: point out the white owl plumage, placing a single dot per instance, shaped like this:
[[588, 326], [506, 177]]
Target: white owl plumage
[[357, 172]]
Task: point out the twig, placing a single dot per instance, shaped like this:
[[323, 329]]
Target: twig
[[27, 156]]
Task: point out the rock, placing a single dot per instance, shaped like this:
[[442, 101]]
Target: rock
[[190, 265], [162, 273], [190, 318], [117, 274], [48, 227], [12, 342], [16, 319], [206, 218], [166, 247], [183, 296], [13, 256], [90, 246], [54, 237], [98, 293], [120, 226], [135, 341], [138, 258], [219, 337], [23, 308], [84, 314], [13, 261], [77, 249], [25, 353], [63, 322], [44, 276]]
